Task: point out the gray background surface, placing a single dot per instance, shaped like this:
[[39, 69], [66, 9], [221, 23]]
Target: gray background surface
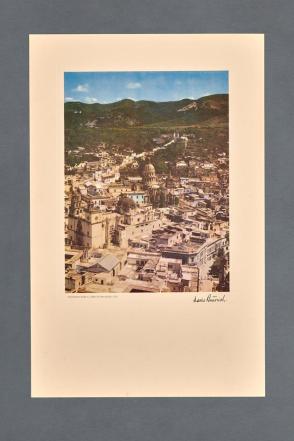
[[211, 419]]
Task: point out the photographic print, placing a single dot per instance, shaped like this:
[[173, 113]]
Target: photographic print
[[148, 247], [146, 196]]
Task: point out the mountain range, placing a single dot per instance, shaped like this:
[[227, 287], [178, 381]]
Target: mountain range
[[208, 110]]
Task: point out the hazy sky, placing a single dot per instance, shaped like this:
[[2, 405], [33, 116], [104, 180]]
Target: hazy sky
[[107, 87]]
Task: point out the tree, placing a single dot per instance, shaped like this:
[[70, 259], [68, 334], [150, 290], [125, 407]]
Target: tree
[[162, 199], [125, 204], [218, 269]]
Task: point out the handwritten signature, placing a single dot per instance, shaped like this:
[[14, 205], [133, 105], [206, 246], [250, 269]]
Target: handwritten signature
[[210, 298]]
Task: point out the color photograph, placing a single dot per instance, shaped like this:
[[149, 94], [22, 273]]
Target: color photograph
[[146, 196]]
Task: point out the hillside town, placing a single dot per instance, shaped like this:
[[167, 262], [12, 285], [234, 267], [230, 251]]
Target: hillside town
[[131, 226]]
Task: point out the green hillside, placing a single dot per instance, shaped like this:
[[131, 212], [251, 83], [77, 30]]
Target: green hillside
[[128, 113], [134, 123]]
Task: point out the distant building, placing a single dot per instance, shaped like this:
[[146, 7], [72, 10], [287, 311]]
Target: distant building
[[139, 197], [149, 176], [89, 227]]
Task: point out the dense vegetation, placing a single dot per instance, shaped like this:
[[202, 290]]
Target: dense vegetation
[[132, 125], [129, 113]]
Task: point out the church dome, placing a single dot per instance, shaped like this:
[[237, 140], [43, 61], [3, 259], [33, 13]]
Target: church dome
[[149, 169], [149, 176]]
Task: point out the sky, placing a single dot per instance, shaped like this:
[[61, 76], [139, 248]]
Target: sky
[[108, 87]]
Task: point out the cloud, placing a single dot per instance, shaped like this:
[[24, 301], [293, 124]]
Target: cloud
[[133, 85], [81, 88], [90, 100], [68, 98]]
